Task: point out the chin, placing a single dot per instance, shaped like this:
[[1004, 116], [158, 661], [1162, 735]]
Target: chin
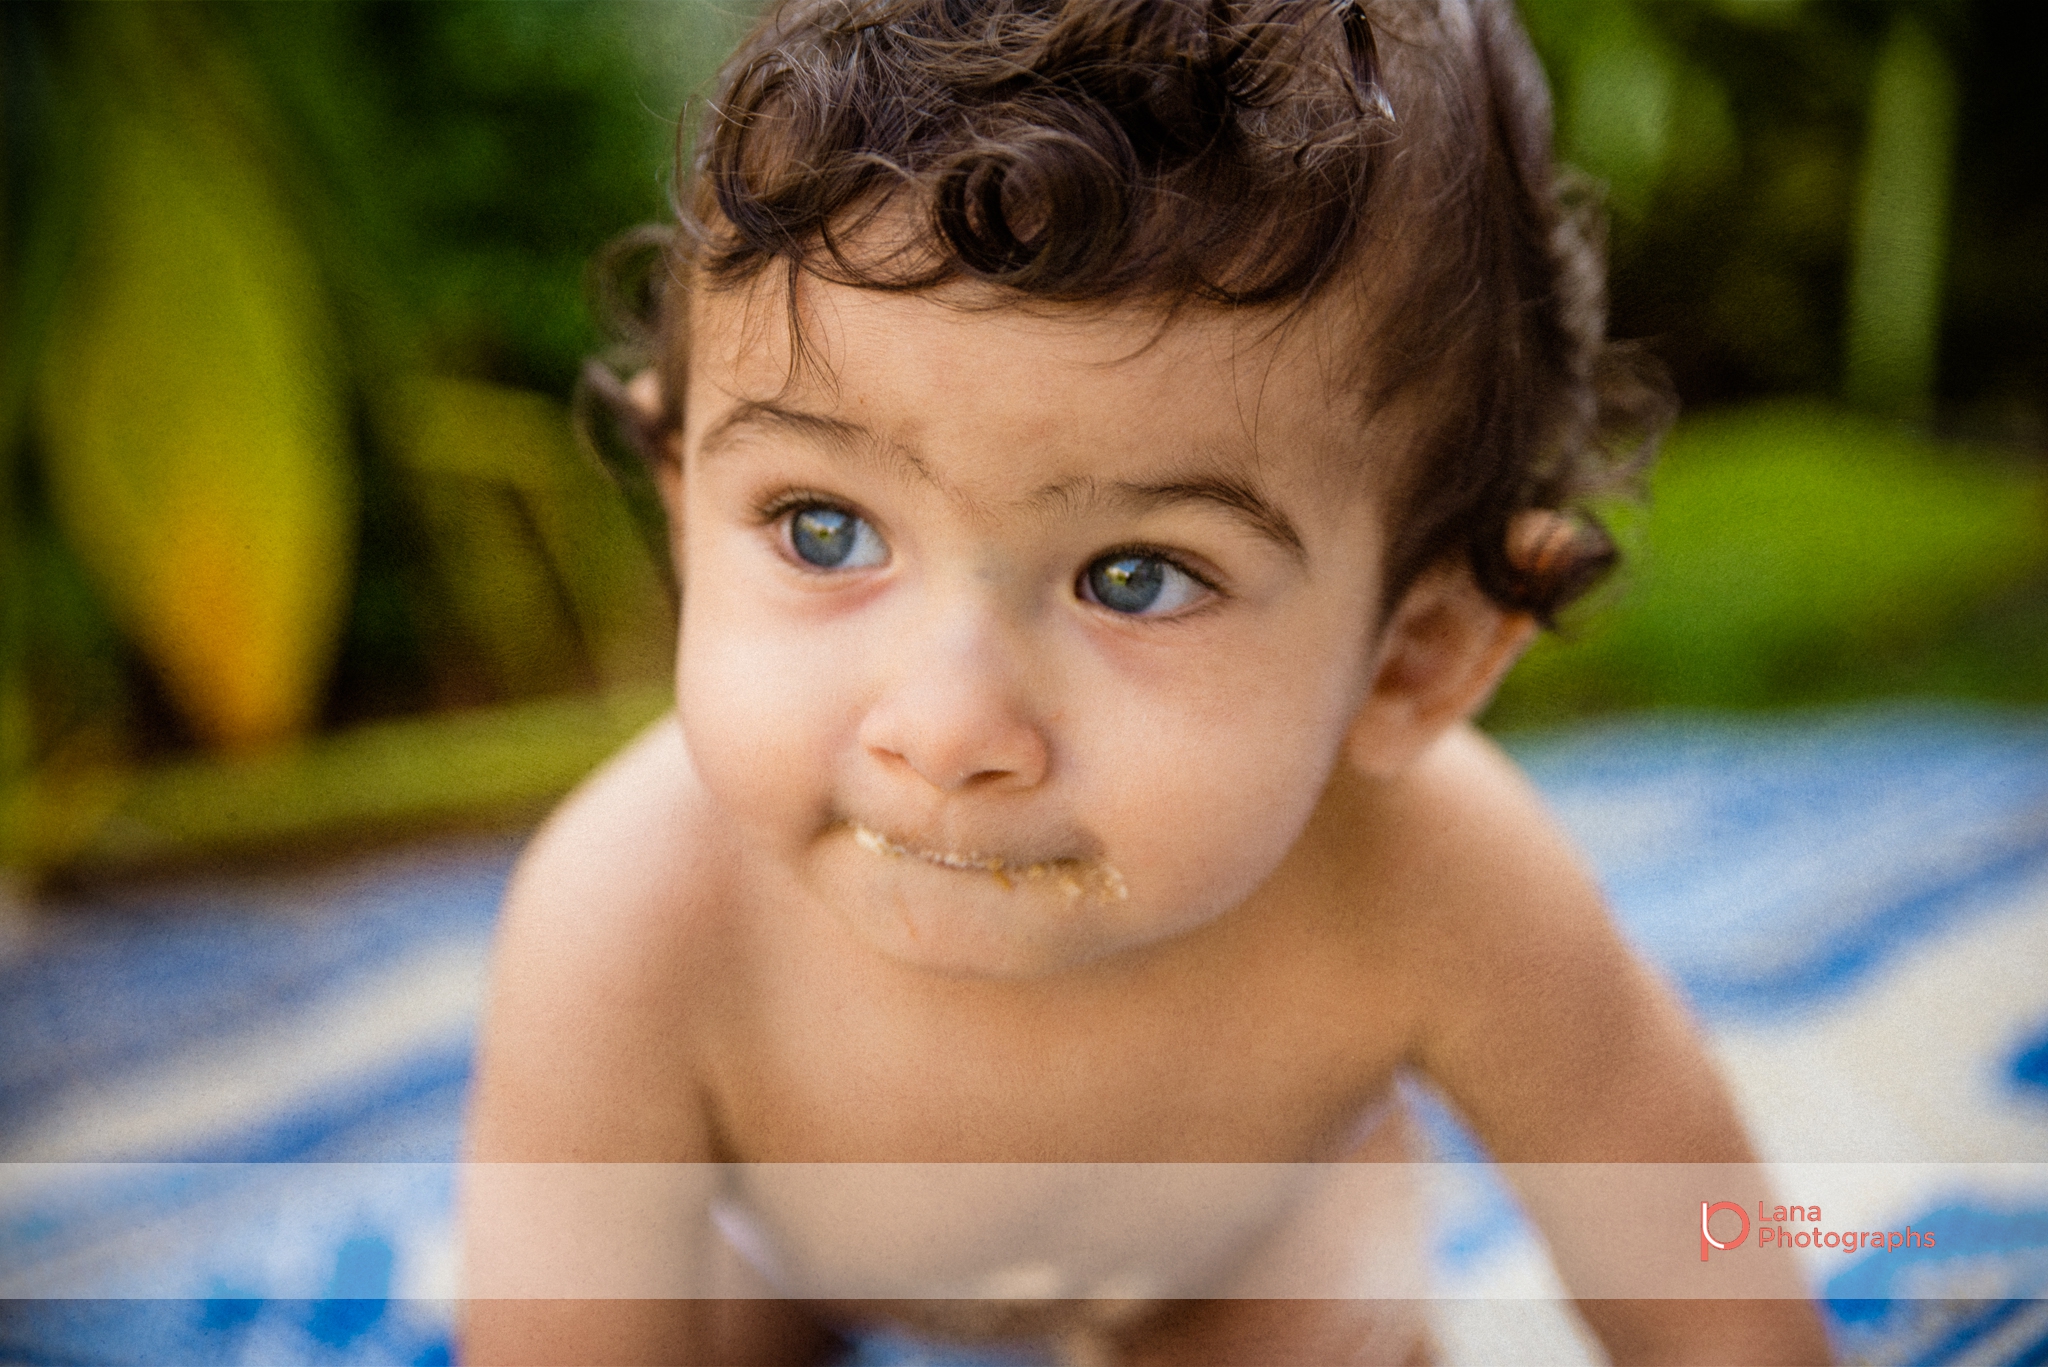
[[1011, 964], [982, 923], [979, 935]]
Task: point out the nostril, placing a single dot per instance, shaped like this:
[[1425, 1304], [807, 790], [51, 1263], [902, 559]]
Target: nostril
[[959, 718], [984, 778], [961, 753]]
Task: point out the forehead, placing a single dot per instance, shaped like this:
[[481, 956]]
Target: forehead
[[1084, 389]]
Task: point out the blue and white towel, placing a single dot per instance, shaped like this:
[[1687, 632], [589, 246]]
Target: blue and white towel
[[1856, 904]]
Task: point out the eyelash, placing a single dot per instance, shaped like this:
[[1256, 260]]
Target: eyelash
[[776, 506], [1173, 558]]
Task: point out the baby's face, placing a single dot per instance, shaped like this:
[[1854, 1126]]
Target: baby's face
[[1007, 638]]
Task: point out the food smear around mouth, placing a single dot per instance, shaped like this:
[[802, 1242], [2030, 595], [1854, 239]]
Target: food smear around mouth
[[1076, 878]]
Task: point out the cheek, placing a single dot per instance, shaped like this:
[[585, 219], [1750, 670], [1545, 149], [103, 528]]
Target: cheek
[[1214, 832], [1207, 787], [762, 719]]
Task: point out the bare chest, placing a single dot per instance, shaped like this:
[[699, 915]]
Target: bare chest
[[1275, 1061], [1004, 1162], [1045, 1250]]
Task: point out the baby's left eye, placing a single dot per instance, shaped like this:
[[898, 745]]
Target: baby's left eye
[[1140, 585]]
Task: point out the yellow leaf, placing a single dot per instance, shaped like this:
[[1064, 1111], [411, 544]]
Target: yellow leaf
[[193, 432]]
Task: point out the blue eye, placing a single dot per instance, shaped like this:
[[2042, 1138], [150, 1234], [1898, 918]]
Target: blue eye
[[1140, 585], [834, 539]]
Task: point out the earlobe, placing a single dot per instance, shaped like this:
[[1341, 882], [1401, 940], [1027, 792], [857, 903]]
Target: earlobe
[[1445, 649], [660, 440], [644, 398], [643, 403], [666, 468]]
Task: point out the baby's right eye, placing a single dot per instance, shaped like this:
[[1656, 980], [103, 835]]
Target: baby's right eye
[[833, 539]]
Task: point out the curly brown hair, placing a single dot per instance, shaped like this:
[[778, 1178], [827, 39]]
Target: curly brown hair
[[1201, 153]]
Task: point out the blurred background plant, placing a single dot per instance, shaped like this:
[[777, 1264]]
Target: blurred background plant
[[295, 546], [292, 303], [1831, 221]]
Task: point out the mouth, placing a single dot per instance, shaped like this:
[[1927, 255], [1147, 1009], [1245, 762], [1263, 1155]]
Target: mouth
[[1075, 877]]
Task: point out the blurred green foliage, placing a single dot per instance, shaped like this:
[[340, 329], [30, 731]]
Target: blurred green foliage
[[1791, 181], [292, 303], [1798, 553], [1840, 201], [191, 327], [294, 538]]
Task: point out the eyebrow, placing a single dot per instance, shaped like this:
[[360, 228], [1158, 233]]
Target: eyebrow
[[832, 433], [1234, 496]]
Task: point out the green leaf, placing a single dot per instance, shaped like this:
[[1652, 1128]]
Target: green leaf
[[193, 432], [537, 547], [489, 767]]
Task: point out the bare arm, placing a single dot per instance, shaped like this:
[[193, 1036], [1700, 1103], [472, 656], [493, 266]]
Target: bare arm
[[573, 1252], [1562, 1048]]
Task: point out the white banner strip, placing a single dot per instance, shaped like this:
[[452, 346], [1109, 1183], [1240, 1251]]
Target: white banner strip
[[1000, 1232]]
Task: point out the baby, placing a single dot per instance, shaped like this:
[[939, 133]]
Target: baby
[[1112, 449]]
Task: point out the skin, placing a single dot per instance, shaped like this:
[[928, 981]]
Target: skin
[[799, 921]]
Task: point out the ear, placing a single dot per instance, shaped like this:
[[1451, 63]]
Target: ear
[[1444, 650], [645, 406]]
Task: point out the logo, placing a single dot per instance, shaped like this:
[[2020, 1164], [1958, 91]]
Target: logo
[[1707, 1239], [1771, 1233]]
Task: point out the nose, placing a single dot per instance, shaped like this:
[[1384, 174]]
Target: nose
[[957, 713]]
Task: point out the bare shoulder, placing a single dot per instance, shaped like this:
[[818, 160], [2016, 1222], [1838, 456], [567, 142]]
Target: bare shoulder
[[1557, 1043], [634, 840], [1541, 1023], [609, 928], [1476, 852], [1501, 896]]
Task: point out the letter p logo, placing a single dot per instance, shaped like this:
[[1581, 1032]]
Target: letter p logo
[[1707, 1239]]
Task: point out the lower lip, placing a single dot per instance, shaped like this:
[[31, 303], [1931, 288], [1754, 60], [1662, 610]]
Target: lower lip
[[1076, 878]]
